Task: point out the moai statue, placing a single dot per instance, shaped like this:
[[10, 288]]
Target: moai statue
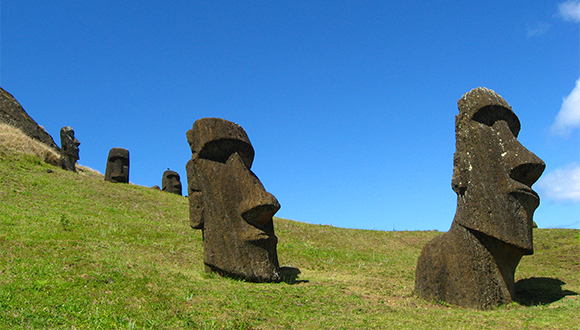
[[229, 204], [117, 166], [473, 264], [69, 149], [171, 183]]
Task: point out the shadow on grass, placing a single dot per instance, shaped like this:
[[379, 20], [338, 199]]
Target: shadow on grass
[[535, 291], [289, 275]]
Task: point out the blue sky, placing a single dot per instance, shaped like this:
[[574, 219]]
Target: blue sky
[[349, 105]]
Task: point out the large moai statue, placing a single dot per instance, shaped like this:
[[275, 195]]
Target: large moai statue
[[171, 182], [117, 166], [69, 150], [229, 204], [473, 264]]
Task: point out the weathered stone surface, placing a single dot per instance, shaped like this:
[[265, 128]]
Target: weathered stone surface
[[171, 182], [473, 264], [229, 204], [12, 113], [69, 149], [117, 166]]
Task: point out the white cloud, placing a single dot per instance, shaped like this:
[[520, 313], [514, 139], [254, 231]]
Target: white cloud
[[562, 184], [569, 116], [570, 10], [538, 29]]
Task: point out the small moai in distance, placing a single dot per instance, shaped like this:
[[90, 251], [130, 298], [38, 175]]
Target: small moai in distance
[[117, 170], [171, 183], [229, 204], [69, 152], [473, 264]]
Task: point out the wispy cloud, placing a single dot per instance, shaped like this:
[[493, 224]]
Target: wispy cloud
[[562, 184], [569, 116], [538, 29], [570, 10]]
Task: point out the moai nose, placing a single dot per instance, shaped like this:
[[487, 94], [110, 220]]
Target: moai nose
[[258, 206], [263, 210], [523, 165]]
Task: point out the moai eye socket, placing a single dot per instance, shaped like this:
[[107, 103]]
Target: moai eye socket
[[490, 114]]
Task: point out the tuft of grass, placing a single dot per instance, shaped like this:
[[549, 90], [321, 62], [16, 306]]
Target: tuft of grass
[[14, 139], [77, 252]]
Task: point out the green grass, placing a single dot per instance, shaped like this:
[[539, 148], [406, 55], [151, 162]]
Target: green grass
[[80, 253]]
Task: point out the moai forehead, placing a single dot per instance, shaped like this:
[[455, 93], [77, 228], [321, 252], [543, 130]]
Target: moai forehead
[[485, 106], [118, 153], [216, 139], [171, 175], [67, 131]]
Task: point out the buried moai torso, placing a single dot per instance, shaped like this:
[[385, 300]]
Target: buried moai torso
[[69, 149], [473, 264], [117, 166], [171, 182], [229, 204]]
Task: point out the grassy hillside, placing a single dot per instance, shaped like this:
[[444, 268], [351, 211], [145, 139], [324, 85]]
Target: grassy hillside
[[80, 253]]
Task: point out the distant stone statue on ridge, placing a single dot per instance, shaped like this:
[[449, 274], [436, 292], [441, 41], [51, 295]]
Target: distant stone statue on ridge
[[229, 204], [69, 149], [171, 182], [117, 166], [473, 264]]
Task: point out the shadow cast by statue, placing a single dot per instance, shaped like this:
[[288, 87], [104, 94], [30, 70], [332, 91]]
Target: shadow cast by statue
[[289, 275], [535, 291]]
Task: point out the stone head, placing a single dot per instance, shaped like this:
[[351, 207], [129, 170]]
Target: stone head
[[493, 173], [228, 202], [171, 183], [118, 166], [69, 144]]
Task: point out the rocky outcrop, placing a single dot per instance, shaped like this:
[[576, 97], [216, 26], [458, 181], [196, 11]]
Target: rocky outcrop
[[12, 113]]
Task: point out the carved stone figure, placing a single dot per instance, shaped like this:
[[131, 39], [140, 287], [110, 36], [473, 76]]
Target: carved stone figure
[[171, 183], [117, 166], [69, 149], [229, 204], [473, 264]]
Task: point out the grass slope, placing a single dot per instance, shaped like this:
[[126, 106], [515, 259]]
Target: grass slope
[[80, 253]]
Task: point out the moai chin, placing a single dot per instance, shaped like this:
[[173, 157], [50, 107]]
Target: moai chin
[[171, 182], [229, 204], [117, 166], [473, 264], [69, 149]]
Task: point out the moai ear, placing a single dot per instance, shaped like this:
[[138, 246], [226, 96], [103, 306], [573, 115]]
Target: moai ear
[[195, 196], [195, 209], [190, 140], [460, 175]]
